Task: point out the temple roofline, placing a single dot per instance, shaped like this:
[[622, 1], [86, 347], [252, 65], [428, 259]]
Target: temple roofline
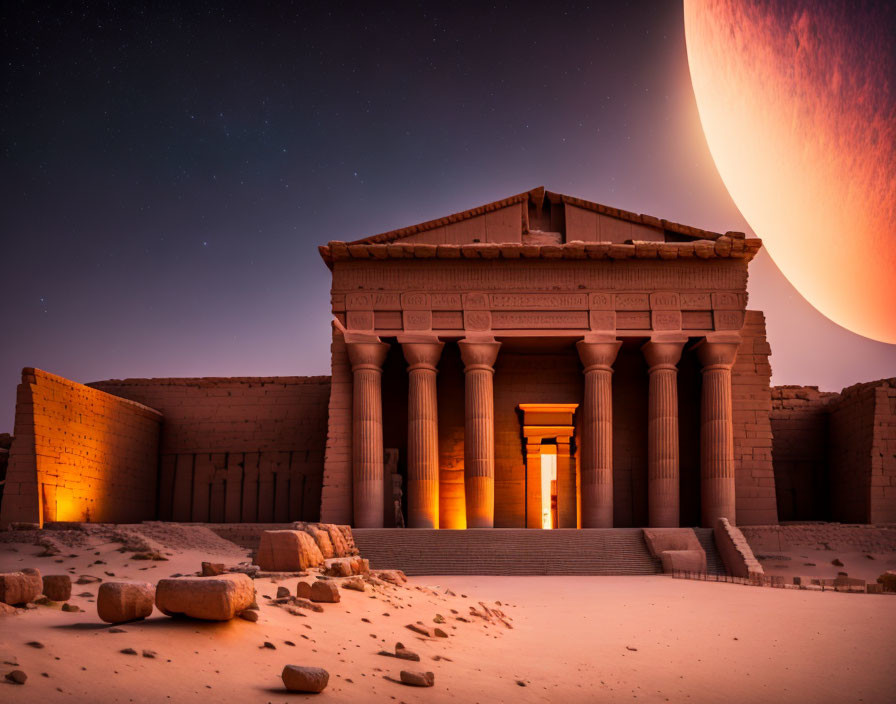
[[728, 246]]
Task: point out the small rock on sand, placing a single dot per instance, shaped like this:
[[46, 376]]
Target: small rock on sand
[[417, 679], [355, 583], [418, 629], [249, 615], [16, 677], [282, 592], [304, 679], [439, 633], [303, 590]]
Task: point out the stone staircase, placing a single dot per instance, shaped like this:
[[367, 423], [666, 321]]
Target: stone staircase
[[508, 551], [714, 564]]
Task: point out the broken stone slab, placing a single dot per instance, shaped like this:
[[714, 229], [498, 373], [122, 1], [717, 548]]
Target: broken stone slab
[[119, 602], [20, 587], [326, 592], [212, 569], [207, 598], [683, 561], [303, 590], [297, 678], [417, 679], [287, 550], [354, 583], [58, 587]]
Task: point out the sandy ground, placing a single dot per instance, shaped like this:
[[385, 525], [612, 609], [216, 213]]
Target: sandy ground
[[574, 639], [819, 563]]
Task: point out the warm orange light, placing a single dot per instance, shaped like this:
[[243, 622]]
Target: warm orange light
[[800, 119]]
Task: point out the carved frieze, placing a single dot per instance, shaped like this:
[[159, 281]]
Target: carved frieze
[[477, 320], [632, 301], [543, 320], [666, 319], [415, 300], [359, 319], [602, 319], [665, 300], [601, 301], [728, 319], [538, 301], [417, 319]]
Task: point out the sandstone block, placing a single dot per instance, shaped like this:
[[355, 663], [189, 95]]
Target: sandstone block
[[305, 679], [303, 590], [355, 583], [417, 679], [339, 567], [287, 551], [212, 569], [683, 561], [661, 539], [322, 538], [117, 602], [58, 587], [207, 598], [20, 587], [325, 592]]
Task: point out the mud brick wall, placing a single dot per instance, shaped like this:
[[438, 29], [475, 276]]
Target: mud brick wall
[[240, 449], [336, 494], [79, 454], [799, 420], [752, 405], [863, 453]]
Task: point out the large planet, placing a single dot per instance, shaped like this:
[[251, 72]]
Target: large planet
[[797, 99]]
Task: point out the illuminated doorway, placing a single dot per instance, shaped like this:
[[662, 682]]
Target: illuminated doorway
[[551, 481]]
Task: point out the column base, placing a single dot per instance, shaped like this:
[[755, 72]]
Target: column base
[[480, 493]]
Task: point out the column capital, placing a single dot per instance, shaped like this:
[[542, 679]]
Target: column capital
[[479, 353], [366, 351], [422, 353], [598, 351], [663, 351], [717, 350]]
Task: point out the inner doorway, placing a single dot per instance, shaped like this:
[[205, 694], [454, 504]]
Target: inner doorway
[[551, 487]]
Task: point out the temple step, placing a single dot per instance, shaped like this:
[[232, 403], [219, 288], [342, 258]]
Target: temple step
[[508, 551], [714, 564]]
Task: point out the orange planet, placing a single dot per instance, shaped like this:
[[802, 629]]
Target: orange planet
[[798, 104]]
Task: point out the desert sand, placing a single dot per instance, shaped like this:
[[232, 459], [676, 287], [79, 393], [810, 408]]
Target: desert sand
[[573, 639]]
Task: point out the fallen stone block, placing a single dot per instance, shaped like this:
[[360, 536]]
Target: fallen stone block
[[305, 679], [206, 598], [287, 551], [325, 592], [20, 587], [417, 679], [683, 561], [354, 583], [303, 590], [58, 587], [212, 569], [118, 602]]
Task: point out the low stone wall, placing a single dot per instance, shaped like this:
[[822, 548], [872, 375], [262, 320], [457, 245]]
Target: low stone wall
[[735, 550], [822, 536], [79, 455]]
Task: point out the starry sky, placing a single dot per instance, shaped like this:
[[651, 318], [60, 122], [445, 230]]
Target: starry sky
[[169, 168]]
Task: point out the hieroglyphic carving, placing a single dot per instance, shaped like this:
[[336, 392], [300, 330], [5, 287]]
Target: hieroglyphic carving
[[417, 320], [506, 320], [632, 301], [695, 301], [477, 320], [602, 319], [601, 301], [538, 301], [726, 300], [665, 300], [728, 319], [475, 301], [445, 301], [666, 319], [633, 320], [539, 275], [372, 300], [359, 319], [415, 300]]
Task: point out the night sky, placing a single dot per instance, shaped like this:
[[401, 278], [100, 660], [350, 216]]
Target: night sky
[[168, 171]]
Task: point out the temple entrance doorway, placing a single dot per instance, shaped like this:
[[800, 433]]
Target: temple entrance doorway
[[551, 491]]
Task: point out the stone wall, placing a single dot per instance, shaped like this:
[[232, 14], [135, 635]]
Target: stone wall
[[236, 449], [79, 454], [799, 420], [751, 399], [835, 453], [336, 494]]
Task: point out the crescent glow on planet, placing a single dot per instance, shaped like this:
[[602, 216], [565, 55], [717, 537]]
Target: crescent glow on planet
[[798, 105]]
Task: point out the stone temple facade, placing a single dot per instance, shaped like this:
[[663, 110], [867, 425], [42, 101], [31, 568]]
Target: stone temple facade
[[538, 362]]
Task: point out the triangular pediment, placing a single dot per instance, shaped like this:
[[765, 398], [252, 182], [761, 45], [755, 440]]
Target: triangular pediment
[[541, 217]]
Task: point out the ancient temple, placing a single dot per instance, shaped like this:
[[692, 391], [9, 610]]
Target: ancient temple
[[547, 335]]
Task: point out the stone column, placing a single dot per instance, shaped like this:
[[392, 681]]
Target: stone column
[[662, 354], [598, 352], [716, 353], [366, 357], [479, 430], [567, 510], [423, 432], [533, 484]]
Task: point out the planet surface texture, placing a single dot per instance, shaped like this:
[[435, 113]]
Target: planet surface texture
[[797, 100]]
